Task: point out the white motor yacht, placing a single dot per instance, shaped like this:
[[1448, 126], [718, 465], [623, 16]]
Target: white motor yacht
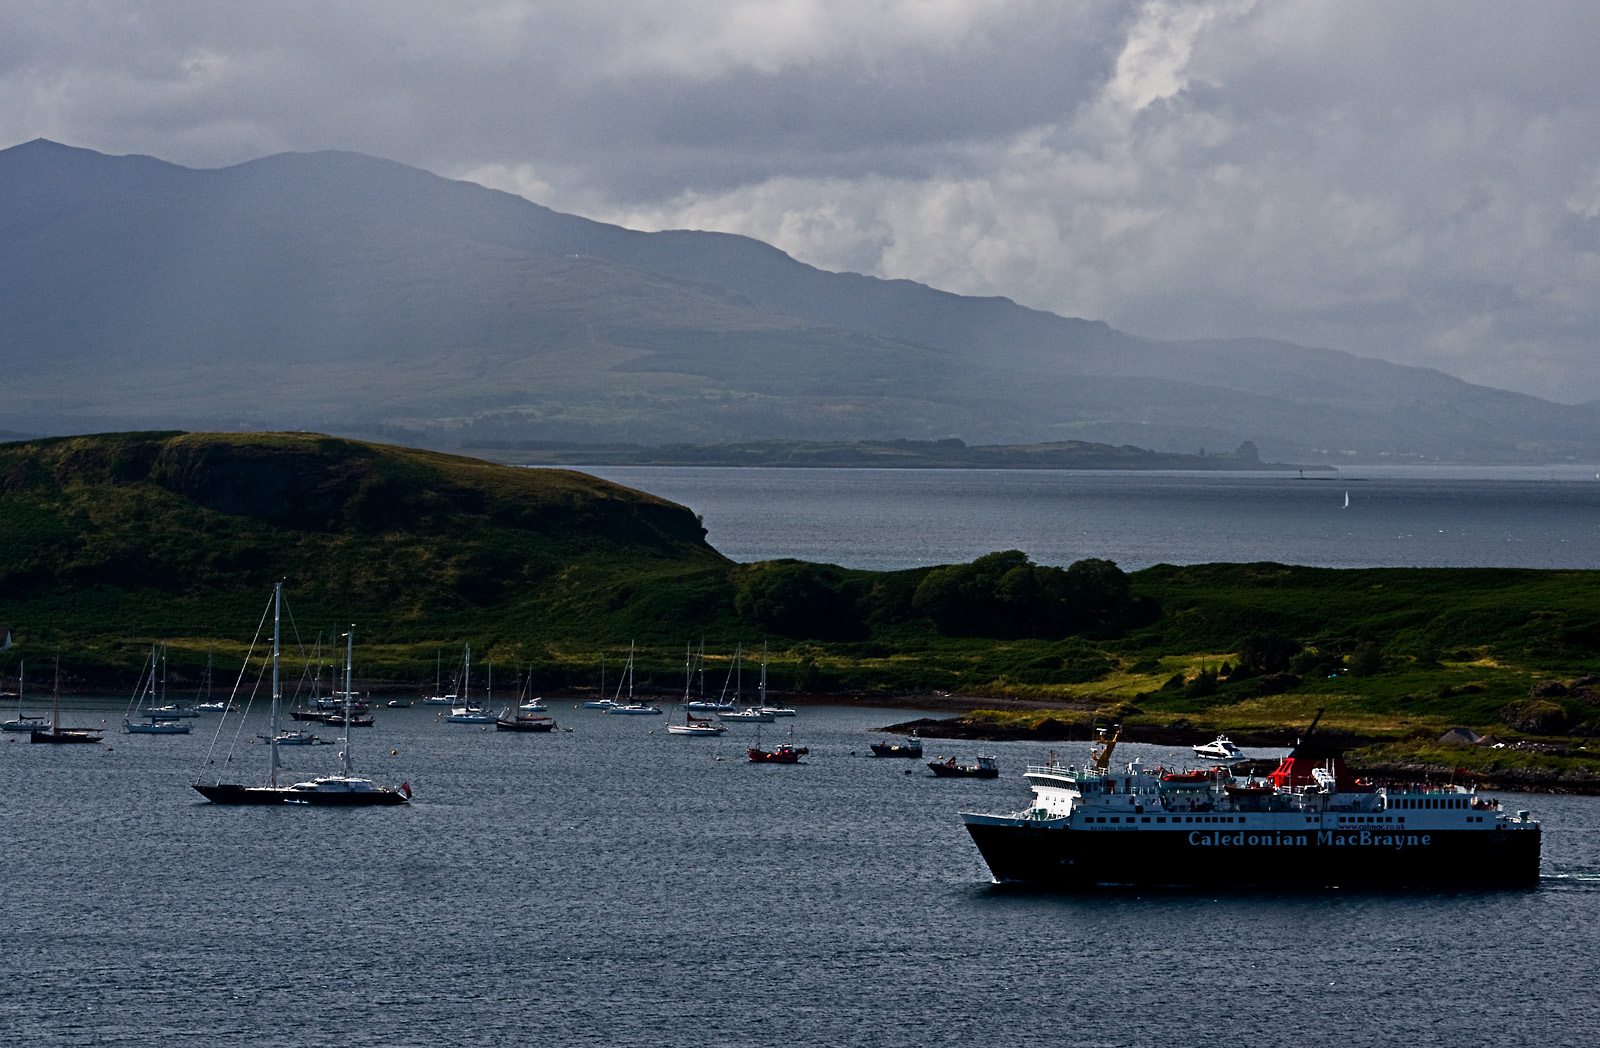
[[1220, 748]]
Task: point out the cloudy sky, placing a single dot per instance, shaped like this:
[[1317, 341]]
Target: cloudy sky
[[1418, 181]]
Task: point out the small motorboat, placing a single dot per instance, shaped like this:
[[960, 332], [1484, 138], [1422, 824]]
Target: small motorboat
[[155, 726], [912, 747], [170, 712], [1220, 748], [982, 768], [399, 704], [355, 720], [634, 709], [295, 738]]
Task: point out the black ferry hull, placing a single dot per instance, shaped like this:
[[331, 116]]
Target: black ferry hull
[[1062, 858]]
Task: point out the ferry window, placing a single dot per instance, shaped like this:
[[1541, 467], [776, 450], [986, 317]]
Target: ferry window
[[1115, 819], [1145, 819], [1241, 818], [1161, 818]]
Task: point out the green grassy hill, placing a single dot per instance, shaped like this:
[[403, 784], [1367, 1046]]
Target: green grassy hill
[[110, 541]]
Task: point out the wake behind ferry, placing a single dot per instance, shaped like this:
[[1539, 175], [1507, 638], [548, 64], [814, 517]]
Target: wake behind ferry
[[1310, 824]]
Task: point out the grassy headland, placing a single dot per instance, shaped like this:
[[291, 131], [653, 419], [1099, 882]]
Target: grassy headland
[[110, 543]]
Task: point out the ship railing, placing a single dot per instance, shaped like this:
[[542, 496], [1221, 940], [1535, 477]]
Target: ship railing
[[1064, 771]]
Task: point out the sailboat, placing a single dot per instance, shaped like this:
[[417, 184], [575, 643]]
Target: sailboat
[[765, 706], [56, 733], [210, 705], [24, 722], [750, 714], [438, 698], [1347, 500], [692, 725], [631, 708], [342, 790], [514, 718], [723, 703], [159, 721], [469, 713], [602, 703]]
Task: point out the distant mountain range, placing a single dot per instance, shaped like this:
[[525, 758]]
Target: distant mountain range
[[336, 292]]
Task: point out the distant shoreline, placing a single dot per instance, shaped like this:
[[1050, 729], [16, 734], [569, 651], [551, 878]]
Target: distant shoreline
[[890, 454]]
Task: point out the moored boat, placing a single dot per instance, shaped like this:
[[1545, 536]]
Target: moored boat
[[469, 712], [294, 738], [784, 754], [55, 734], [912, 747], [631, 708], [981, 768], [692, 725], [23, 722], [343, 790], [1220, 748], [515, 718], [155, 726]]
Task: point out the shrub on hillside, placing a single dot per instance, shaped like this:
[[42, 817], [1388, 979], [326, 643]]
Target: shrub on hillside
[[1007, 595], [1536, 716]]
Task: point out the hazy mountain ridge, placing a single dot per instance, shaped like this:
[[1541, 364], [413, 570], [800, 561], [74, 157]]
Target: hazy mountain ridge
[[343, 293]]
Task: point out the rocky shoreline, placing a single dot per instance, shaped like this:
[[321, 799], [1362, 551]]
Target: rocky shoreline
[[1508, 780]]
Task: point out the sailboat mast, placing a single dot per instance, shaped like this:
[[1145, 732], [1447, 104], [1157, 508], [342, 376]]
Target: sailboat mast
[[349, 715], [55, 700], [277, 691], [466, 679]]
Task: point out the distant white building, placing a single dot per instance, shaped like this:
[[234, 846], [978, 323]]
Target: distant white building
[[5, 638]]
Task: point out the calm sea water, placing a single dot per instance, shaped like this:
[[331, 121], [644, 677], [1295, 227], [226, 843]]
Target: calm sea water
[[1547, 517], [619, 886]]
